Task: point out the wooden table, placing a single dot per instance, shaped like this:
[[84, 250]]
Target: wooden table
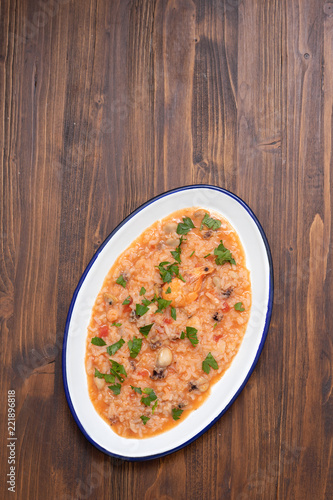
[[105, 104]]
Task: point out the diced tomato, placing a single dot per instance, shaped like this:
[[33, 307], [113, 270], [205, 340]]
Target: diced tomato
[[225, 307], [143, 373], [127, 309], [103, 331], [168, 321], [217, 337]]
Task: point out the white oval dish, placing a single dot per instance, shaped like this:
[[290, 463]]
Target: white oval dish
[[226, 390]]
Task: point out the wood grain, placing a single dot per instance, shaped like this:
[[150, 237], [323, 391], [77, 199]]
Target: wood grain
[[106, 104]]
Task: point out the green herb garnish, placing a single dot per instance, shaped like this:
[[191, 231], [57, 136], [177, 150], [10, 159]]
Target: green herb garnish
[[141, 310], [209, 362], [134, 347], [121, 281], [162, 304], [153, 408], [173, 313], [176, 413], [143, 290], [185, 226], [145, 329], [118, 370], [215, 325], [144, 419], [182, 335], [223, 255], [112, 349], [146, 400], [116, 324], [205, 257], [191, 334], [98, 341], [127, 301], [137, 389], [109, 379], [168, 290], [239, 306], [146, 302], [115, 389], [192, 253], [168, 271], [211, 223]]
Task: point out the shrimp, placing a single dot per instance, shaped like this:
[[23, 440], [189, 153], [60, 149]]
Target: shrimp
[[183, 294]]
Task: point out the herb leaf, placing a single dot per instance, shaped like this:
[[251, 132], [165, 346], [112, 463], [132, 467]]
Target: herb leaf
[[176, 413], [185, 226], [144, 419], [182, 335], [146, 302], [127, 300], [192, 253], [121, 281], [153, 408], [146, 400], [145, 329], [109, 379], [137, 389], [141, 310], [143, 290], [118, 370], [112, 349], [162, 304], [98, 341], [209, 362], [173, 313], [168, 290], [223, 255], [134, 347], [116, 324], [191, 334], [115, 389], [239, 306], [211, 223]]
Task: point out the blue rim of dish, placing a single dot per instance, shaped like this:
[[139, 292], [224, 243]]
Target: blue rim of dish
[[261, 345]]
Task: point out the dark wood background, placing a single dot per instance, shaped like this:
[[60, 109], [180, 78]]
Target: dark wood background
[[105, 104]]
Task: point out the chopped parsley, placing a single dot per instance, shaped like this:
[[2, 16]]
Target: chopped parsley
[[205, 257], [116, 324], [115, 389], [134, 347], [142, 291], [176, 253], [173, 313], [141, 309], [176, 413], [215, 325], [146, 302], [211, 223], [153, 408], [239, 306], [137, 389], [162, 304], [127, 301], [168, 271], [192, 253], [168, 290], [209, 362], [191, 334], [151, 396], [98, 341], [223, 255], [121, 281], [144, 419], [109, 379], [118, 370], [145, 329], [185, 226], [112, 349]]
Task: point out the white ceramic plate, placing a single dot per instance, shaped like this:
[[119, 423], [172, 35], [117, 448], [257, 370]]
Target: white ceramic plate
[[226, 390]]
